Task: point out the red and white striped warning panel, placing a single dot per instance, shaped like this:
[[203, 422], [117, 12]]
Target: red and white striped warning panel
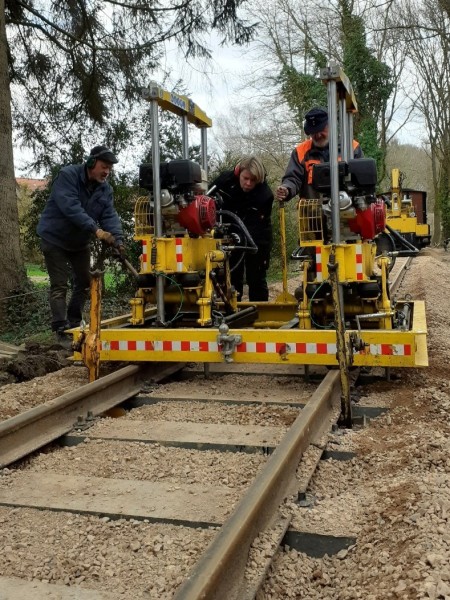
[[203, 346], [319, 273], [179, 253], [359, 262], [390, 349], [144, 255], [279, 348]]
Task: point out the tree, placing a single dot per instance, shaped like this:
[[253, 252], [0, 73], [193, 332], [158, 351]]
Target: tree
[[11, 262], [425, 25], [353, 34], [76, 69], [371, 81]]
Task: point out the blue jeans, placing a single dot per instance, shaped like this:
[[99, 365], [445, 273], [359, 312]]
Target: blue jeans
[[62, 266]]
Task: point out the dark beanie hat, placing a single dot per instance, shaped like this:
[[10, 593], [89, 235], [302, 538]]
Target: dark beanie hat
[[315, 120], [103, 153]]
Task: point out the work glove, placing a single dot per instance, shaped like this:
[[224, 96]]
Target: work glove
[[106, 237], [121, 250]]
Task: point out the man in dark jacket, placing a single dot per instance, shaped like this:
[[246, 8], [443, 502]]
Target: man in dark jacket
[[80, 206], [298, 176], [245, 192]]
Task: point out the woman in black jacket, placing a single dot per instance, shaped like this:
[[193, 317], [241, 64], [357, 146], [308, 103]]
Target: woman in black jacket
[[245, 192]]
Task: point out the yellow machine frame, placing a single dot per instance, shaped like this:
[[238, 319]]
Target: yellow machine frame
[[401, 214], [270, 339]]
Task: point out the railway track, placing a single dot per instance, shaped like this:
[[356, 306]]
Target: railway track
[[185, 485]]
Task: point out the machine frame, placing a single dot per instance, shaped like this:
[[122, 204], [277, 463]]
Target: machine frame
[[283, 332]]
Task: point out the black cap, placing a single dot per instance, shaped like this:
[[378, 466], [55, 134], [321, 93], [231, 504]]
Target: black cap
[[315, 120], [103, 153]]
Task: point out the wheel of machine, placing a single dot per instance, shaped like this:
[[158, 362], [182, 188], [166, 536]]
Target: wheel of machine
[[385, 243], [318, 291], [189, 279], [369, 289], [146, 281]]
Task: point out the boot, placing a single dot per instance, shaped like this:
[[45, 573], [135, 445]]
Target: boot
[[63, 339]]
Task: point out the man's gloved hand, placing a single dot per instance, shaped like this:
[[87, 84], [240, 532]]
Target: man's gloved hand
[[105, 236], [121, 250]]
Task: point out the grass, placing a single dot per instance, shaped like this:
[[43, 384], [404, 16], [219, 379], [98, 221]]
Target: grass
[[26, 316], [111, 278], [34, 270]]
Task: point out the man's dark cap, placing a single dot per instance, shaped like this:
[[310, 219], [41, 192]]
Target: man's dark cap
[[103, 153], [315, 120]]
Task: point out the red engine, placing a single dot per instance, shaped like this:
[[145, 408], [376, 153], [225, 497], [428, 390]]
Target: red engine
[[370, 222], [199, 216]]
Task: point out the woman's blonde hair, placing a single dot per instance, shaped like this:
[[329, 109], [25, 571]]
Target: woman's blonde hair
[[254, 165]]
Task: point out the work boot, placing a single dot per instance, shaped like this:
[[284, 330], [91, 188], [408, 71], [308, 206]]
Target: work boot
[[63, 339]]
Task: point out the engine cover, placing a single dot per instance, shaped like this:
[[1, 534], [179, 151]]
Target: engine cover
[[370, 222], [199, 216]]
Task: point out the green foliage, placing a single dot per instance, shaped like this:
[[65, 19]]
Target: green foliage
[[443, 201], [26, 313], [77, 70], [301, 91], [34, 270], [371, 80], [275, 267], [368, 138], [225, 163]]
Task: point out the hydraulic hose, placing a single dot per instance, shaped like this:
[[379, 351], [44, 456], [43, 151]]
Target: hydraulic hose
[[410, 248], [252, 247]]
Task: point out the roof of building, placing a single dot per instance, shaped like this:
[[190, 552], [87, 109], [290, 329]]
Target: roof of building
[[31, 184]]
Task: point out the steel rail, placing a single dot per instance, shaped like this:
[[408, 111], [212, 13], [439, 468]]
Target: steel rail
[[24, 433], [219, 574], [395, 284]]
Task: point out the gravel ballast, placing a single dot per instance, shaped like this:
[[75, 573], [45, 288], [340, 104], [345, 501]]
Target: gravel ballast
[[393, 497]]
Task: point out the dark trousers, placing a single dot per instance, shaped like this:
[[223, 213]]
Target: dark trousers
[[62, 266], [255, 267]]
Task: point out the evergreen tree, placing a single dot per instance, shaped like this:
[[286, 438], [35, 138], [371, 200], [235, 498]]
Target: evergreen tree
[[77, 68]]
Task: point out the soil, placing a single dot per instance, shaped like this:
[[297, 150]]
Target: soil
[[35, 360]]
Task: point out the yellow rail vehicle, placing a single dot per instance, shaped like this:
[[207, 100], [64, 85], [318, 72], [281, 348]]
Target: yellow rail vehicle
[[406, 215], [185, 308]]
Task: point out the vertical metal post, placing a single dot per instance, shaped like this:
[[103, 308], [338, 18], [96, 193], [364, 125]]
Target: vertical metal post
[[351, 152], [204, 148], [283, 249], [343, 121], [157, 204], [333, 146], [185, 136]]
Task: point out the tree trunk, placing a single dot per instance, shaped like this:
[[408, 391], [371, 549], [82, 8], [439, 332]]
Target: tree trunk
[[11, 262]]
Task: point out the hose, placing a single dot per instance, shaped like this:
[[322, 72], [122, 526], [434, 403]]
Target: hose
[[253, 248]]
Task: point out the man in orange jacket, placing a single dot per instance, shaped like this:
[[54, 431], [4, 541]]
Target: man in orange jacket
[[298, 176]]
